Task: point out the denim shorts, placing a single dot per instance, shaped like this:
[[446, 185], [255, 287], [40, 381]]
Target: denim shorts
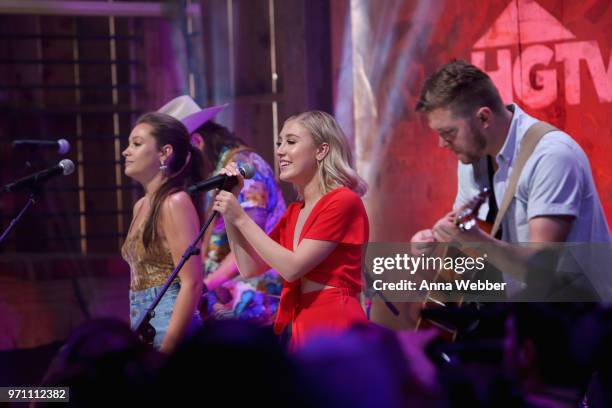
[[140, 300]]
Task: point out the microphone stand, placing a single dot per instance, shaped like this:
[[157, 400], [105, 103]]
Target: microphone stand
[[382, 296], [144, 329], [34, 191]]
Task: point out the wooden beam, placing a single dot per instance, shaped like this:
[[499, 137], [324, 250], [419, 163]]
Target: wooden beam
[[90, 8]]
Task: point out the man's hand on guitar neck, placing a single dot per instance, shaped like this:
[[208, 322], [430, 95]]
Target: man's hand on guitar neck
[[446, 231], [512, 259]]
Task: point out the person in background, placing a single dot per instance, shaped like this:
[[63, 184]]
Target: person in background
[[230, 295]]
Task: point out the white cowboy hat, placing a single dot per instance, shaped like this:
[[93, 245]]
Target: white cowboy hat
[[189, 112]]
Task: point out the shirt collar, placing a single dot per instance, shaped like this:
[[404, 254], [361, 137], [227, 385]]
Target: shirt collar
[[221, 162], [508, 150]]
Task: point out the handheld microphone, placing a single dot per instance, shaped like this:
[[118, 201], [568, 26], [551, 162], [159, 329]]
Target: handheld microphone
[[64, 167], [222, 181], [62, 145]]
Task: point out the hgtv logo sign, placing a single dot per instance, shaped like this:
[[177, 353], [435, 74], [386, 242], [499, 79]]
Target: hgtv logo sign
[[547, 52]]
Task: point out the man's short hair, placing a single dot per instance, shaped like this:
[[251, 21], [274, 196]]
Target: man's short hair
[[460, 86]]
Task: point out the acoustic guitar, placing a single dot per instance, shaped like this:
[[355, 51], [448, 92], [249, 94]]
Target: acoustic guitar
[[435, 309]]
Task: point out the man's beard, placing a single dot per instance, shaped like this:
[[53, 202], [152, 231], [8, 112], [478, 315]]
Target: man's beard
[[480, 143]]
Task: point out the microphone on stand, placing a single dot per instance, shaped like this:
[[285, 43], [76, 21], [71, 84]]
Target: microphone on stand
[[64, 167], [223, 181], [62, 145]]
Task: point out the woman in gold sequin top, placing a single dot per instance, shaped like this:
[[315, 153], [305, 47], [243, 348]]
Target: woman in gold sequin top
[[165, 221]]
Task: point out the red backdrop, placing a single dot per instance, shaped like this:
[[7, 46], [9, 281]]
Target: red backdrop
[[552, 57]]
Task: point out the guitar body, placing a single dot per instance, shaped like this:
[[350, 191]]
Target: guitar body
[[485, 226], [435, 310]]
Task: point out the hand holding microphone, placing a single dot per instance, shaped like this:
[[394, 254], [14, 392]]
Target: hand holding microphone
[[230, 178], [235, 176], [225, 201]]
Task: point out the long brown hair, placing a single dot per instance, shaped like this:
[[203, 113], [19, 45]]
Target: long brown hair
[[184, 165]]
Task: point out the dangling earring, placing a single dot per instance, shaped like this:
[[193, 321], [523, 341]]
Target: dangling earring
[[163, 167]]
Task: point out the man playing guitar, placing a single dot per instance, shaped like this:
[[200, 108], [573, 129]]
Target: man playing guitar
[[552, 197]]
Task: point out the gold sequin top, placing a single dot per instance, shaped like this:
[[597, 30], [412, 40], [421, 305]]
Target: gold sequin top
[[149, 267]]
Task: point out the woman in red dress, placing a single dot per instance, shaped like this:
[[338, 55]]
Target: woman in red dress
[[317, 246]]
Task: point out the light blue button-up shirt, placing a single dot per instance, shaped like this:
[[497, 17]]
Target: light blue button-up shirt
[[556, 181]]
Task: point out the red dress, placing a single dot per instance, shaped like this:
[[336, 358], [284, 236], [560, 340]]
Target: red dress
[[338, 216]]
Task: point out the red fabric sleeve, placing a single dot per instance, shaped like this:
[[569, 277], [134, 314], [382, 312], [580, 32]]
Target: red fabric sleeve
[[275, 234], [341, 218], [278, 232]]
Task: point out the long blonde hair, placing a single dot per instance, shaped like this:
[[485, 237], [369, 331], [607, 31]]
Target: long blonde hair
[[337, 167]]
